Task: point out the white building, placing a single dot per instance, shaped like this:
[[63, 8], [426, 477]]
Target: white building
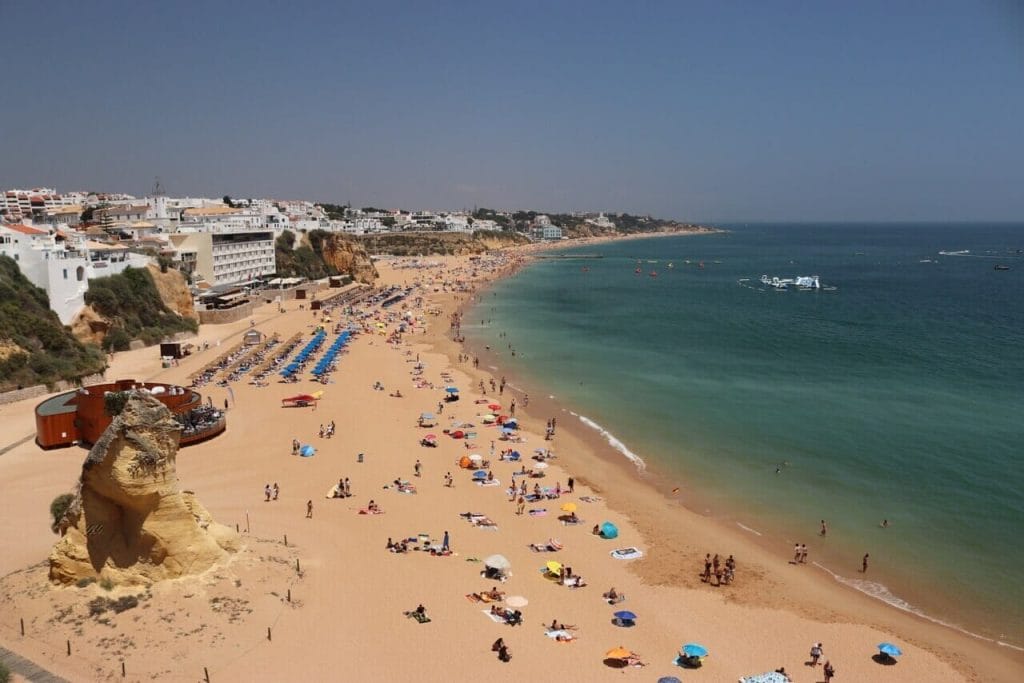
[[63, 269], [227, 256]]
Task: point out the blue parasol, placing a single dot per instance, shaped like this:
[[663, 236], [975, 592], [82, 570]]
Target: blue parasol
[[889, 649], [609, 530], [625, 615], [480, 474], [452, 390], [694, 650], [307, 451]]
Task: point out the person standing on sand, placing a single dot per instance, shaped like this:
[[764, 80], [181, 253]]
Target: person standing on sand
[[796, 553], [417, 467], [571, 484], [803, 553], [864, 564], [520, 505], [829, 671], [444, 543], [816, 653], [706, 576], [266, 493], [277, 491], [309, 509], [824, 528]]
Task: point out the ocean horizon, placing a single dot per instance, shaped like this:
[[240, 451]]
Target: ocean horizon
[[890, 393]]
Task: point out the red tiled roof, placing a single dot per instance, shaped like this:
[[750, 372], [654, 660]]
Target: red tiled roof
[[25, 230]]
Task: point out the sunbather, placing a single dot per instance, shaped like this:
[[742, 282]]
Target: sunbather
[[614, 597]]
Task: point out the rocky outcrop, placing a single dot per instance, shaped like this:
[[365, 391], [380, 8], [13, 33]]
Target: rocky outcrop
[[174, 292], [130, 522], [349, 257], [89, 327]]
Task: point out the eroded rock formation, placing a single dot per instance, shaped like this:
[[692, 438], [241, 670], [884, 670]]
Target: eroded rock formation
[[130, 522], [349, 257]]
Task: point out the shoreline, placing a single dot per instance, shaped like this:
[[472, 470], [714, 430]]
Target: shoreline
[[349, 598], [934, 633]]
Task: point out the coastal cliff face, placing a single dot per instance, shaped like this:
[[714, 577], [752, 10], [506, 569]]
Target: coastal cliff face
[[428, 243], [129, 521], [173, 289], [349, 257]]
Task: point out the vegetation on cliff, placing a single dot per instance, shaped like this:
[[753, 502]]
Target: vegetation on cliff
[[132, 304], [34, 347], [429, 243], [305, 260]]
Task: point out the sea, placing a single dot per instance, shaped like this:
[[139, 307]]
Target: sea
[[895, 392]]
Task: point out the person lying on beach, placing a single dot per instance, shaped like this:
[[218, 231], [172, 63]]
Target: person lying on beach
[[397, 393], [614, 597], [555, 626]]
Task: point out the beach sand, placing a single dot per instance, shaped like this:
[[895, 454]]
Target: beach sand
[[345, 618]]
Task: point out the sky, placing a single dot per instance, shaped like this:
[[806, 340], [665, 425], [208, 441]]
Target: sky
[[704, 111]]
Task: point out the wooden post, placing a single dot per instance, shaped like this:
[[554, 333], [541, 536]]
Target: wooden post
[[246, 521], [236, 528], [268, 634], [69, 648], [22, 627], [297, 567], [286, 540], [289, 596], [123, 672], [206, 675]]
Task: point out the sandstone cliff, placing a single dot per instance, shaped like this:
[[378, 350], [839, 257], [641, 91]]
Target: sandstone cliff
[[349, 257], [173, 289], [129, 521]]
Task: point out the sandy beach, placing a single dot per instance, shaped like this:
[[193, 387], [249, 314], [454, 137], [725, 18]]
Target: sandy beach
[[329, 605]]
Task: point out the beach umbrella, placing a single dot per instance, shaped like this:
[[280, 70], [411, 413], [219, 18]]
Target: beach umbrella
[[426, 416], [540, 451], [508, 430], [609, 530], [497, 562], [480, 474], [431, 437], [307, 451], [889, 649], [452, 390], [476, 457], [540, 466], [694, 650], [569, 507], [494, 406], [554, 567], [458, 434], [512, 422], [618, 653], [625, 615], [669, 679], [514, 455], [517, 601]]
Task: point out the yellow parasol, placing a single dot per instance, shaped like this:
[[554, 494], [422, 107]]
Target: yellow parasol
[[554, 567], [569, 507], [618, 653]]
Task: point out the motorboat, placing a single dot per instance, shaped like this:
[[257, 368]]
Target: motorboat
[[802, 282]]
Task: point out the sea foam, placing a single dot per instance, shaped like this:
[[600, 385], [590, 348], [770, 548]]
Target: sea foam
[[879, 591], [614, 442]]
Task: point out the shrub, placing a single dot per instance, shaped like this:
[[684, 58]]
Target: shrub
[[106, 584], [85, 581], [5, 673], [58, 508]]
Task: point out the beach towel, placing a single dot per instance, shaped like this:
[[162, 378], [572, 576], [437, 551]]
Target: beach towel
[[590, 499], [561, 635], [496, 618], [421, 618], [488, 484], [627, 553], [365, 511], [538, 512], [533, 498]]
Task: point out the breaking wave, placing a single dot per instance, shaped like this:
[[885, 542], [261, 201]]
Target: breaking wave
[[614, 442]]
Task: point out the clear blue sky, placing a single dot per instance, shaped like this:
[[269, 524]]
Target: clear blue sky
[[714, 111]]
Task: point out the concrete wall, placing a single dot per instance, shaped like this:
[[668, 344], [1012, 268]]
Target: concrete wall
[[229, 315]]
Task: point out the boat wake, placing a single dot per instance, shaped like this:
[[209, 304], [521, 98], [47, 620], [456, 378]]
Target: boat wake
[[880, 592], [614, 443]]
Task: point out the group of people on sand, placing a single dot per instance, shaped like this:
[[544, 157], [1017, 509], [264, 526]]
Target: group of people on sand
[[328, 431], [724, 572], [271, 492], [511, 617], [343, 489]]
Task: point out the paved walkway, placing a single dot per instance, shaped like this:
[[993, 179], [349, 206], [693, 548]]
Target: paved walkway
[[23, 667]]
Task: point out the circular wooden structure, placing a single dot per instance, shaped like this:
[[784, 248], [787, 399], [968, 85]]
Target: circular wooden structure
[[80, 416]]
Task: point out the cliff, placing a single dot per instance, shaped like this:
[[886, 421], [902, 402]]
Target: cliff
[[174, 291], [347, 256], [129, 521], [34, 347]]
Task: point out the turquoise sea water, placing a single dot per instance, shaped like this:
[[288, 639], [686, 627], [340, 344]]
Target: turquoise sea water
[[897, 395]]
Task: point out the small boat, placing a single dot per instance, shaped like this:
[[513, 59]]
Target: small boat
[[1001, 266], [638, 271], [671, 265], [653, 273], [802, 282], [700, 265]]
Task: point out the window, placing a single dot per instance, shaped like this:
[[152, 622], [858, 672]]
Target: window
[[80, 273], [65, 273]]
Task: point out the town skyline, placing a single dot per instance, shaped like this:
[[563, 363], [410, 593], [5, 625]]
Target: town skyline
[[692, 112]]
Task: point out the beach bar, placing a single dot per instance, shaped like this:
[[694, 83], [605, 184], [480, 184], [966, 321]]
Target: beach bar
[[81, 416]]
